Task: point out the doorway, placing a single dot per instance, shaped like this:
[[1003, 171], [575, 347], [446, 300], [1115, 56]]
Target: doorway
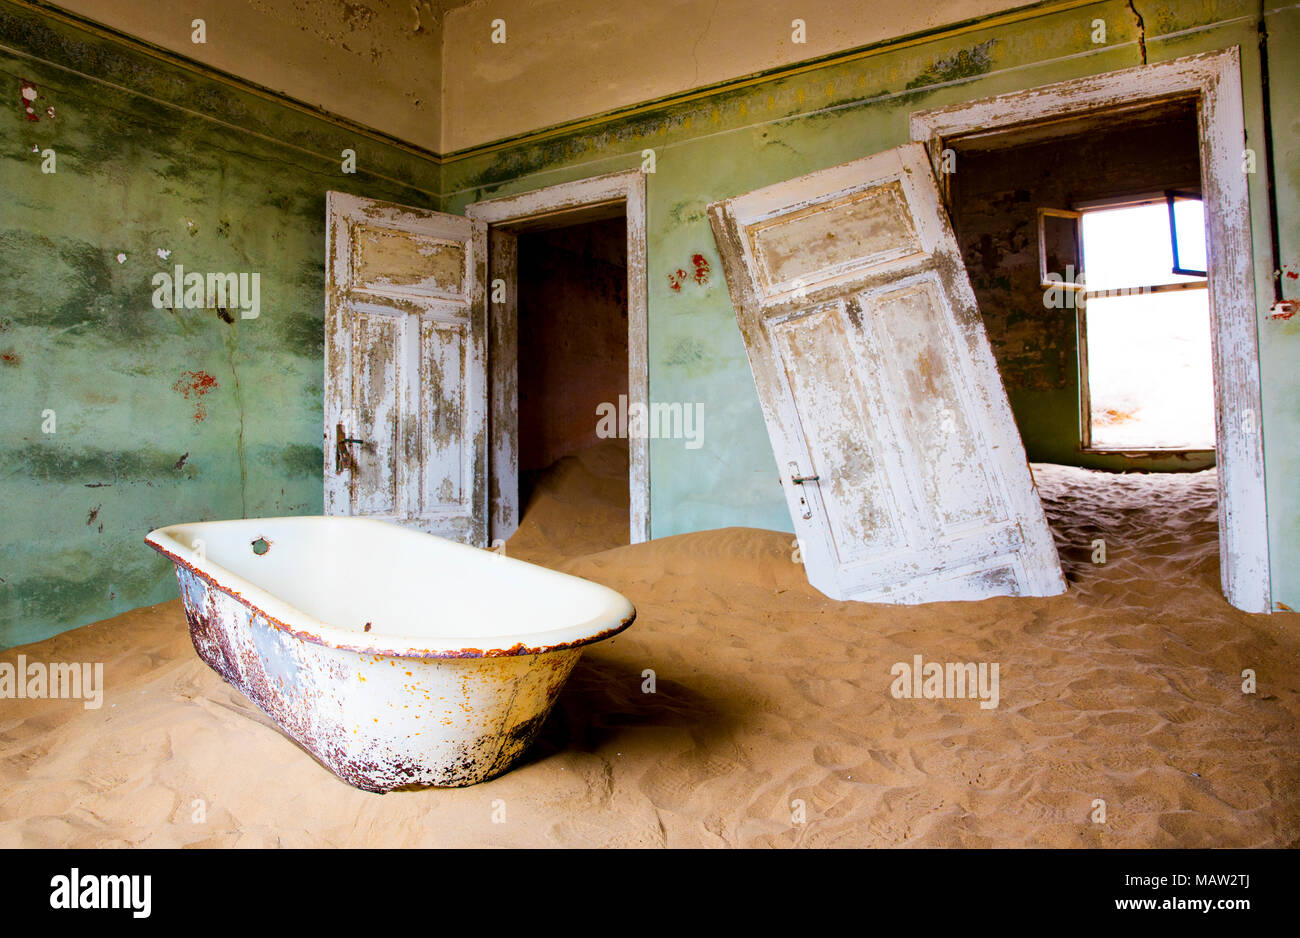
[[1104, 350], [1212, 84], [572, 361], [567, 333]]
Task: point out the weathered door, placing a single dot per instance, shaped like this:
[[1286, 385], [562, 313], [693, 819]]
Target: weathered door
[[901, 463], [405, 367]]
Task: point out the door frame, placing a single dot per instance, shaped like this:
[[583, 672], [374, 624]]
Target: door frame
[[1214, 79], [558, 202]]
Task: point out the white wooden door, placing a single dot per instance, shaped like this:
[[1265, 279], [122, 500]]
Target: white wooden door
[[901, 463], [406, 367]]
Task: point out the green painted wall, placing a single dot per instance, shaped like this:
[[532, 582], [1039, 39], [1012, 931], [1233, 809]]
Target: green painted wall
[[149, 155], [146, 146], [1280, 339], [738, 139]]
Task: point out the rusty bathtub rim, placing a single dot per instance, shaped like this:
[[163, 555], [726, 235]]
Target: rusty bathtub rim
[[392, 649]]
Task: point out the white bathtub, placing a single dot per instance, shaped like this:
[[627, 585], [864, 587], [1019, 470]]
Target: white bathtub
[[396, 658]]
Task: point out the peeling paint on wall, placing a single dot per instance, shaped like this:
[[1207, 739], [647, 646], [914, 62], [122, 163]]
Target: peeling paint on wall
[[126, 380], [28, 98]]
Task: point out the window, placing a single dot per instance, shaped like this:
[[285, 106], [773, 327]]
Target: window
[[1146, 379]]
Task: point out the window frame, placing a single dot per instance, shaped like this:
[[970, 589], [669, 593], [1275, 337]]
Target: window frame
[[1162, 197]]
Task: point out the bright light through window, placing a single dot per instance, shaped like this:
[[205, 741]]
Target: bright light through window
[[1148, 372]]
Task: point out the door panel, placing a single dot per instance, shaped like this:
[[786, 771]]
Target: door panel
[[408, 262], [405, 367], [376, 352], [854, 490], [911, 329], [858, 230], [902, 466], [447, 467]]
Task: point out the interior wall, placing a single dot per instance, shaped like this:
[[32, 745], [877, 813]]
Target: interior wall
[[714, 146], [1279, 340], [377, 63], [119, 416], [994, 200], [572, 336], [145, 147], [567, 59]]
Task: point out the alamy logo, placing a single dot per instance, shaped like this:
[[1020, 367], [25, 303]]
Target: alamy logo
[[656, 421], [194, 290], [931, 680], [1071, 290], [37, 680], [76, 891]]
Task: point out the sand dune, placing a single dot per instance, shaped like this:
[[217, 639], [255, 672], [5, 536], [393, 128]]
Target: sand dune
[[1127, 689]]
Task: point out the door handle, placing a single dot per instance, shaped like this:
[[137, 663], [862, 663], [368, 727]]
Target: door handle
[[797, 479], [343, 457]]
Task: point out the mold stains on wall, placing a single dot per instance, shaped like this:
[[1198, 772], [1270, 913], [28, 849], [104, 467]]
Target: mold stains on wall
[[964, 63], [92, 466], [693, 357], [297, 460]]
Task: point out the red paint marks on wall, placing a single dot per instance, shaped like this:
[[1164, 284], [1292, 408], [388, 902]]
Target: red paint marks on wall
[[196, 383], [29, 96], [702, 268], [11, 358], [1284, 310]]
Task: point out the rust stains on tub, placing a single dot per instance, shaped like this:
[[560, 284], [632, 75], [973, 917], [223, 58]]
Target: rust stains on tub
[[383, 717]]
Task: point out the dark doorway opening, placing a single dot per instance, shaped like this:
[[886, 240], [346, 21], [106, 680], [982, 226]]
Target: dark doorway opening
[[572, 358]]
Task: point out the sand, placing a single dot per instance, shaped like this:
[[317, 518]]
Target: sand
[[771, 700]]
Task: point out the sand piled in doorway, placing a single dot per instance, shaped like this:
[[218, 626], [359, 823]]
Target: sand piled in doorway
[[769, 696]]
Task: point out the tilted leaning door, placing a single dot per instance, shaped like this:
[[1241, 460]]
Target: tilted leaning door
[[902, 466], [405, 367]]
